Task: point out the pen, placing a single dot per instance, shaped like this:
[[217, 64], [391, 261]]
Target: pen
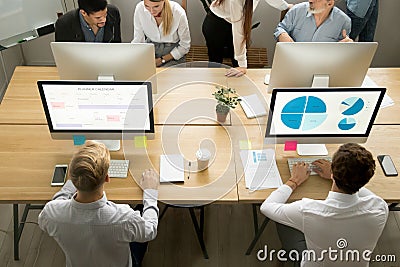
[[190, 164]]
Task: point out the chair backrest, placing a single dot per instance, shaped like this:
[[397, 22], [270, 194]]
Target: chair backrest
[[184, 4], [283, 13]]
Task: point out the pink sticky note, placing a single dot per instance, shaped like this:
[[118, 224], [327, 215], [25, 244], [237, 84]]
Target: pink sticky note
[[290, 145]]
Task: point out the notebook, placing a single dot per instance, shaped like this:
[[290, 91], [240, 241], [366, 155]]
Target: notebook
[[172, 168], [252, 106]]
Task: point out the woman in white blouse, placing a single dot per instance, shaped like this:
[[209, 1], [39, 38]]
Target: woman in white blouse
[[163, 23], [231, 20]]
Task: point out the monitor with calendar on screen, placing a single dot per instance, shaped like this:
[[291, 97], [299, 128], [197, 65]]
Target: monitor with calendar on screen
[[322, 115], [320, 64], [97, 109]]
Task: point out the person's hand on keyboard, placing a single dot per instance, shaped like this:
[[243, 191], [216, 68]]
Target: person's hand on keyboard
[[150, 179], [300, 173], [323, 168]]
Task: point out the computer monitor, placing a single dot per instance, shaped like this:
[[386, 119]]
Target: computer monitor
[[97, 109], [105, 61], [334, 64], [322, 115]]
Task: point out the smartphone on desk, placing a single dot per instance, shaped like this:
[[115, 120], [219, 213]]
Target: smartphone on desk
[[59, 175], [387, 165]]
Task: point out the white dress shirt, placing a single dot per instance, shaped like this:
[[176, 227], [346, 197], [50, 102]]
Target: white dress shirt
[[232, 11], [98, 233], [145, 27], [358, 218]]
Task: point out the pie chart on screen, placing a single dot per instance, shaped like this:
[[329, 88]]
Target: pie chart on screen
[[304, 113], [346, 124], [351, 106]]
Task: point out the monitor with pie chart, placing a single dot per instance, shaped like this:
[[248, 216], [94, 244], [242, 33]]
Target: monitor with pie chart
[[322, 115]]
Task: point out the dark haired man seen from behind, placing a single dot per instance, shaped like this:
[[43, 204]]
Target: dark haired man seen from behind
[[350, 220], [94, 21]]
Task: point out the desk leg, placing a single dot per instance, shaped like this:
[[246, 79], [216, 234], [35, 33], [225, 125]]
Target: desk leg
[[393, 207], [255, 218], [258, 231], [199, 229], [16, 232], [163, 212], [19, 226]]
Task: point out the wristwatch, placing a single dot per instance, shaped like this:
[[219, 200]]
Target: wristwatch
[[163, 60]]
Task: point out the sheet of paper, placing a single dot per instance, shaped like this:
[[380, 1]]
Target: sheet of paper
[[368, 82], [172, 168], [387, 101], [260, 169]]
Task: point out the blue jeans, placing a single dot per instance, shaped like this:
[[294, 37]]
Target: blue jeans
[[365, 27]]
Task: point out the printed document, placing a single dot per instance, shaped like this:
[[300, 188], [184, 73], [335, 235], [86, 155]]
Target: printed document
[[260, 169], [387, 101]]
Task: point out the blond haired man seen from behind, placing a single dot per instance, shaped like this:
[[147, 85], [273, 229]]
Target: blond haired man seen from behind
[[91, 230]]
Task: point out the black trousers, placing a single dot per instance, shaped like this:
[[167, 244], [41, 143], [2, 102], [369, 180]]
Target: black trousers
[[219, 40], [138, 249]]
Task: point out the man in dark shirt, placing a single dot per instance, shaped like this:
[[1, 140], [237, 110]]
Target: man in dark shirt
[[93, 21]]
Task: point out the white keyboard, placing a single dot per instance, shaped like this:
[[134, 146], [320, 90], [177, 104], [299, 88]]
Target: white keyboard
[[118, 168], [309, 160]]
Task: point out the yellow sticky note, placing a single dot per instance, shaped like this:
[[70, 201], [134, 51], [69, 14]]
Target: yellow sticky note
[[245, 144], [140, 141]]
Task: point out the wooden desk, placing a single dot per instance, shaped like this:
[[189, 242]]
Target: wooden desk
[[23, 82], [382, 140], [22, 111], [389, 78], [21, 103], [28, 156]]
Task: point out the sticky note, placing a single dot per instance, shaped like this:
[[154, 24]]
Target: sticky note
[[140, 141], [79, 140], [290, 145], [244, 144]]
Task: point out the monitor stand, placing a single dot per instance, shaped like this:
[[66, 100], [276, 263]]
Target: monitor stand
[[319, 81], [267, 78], [112, 145], [312, 150], [106, 78]]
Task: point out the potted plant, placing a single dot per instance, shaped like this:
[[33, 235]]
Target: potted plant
[[227, 99]]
